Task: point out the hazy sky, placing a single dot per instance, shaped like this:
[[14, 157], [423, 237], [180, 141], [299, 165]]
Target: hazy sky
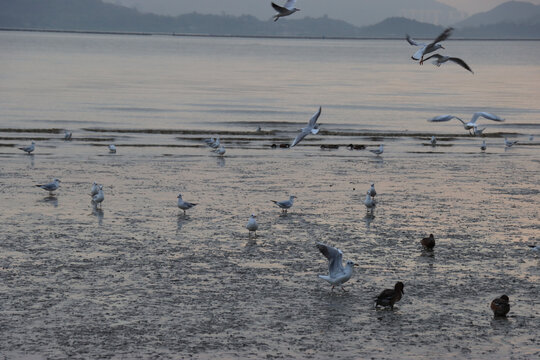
[[468, 6]]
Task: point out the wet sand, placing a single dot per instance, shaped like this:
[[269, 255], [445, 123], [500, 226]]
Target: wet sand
[[138, 279]]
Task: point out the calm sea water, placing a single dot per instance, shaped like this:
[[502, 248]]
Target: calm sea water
[[137, 279]]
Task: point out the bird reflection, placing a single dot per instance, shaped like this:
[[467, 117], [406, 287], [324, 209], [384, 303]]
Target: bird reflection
[[31, 156], [368, 219], [98, 212], [220, 160], [51, 199]]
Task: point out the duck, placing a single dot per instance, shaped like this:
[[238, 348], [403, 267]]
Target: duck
[[500, 306], [428, 242], [390, 296]]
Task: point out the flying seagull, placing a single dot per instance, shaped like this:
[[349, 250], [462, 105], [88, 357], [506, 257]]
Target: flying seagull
[[429, 48], [471, 124], [285, 10], [337, 274], [441, 59], [311, 128]]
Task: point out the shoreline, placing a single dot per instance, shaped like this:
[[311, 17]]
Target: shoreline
[[142, 33]]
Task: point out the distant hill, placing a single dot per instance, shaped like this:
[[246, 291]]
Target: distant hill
[[96, 15], [512, 12]]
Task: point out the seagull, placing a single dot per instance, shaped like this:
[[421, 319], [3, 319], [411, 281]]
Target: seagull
[[67, 135], [285, 204], [471, 124], [535, 248], [184, 205], [390, 296], [285, 10], [216, 144], [28, 149], [252, 225], [112, 149], [433, 140], [428, 242], [337, 274], [431, 47], [95, 189], [372, 191], [209, 141], [483, 147], [379, 151], [531, 138], [311, 128], [220, 151], [441, 59], [50, 187], [99, 197], [370, 204], [500, 306], [509, 143]]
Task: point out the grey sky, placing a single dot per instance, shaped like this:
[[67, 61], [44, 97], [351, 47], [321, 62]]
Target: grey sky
[[356, 12]]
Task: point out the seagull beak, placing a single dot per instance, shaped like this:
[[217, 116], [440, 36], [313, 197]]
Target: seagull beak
[[355, 265], [442, 47]]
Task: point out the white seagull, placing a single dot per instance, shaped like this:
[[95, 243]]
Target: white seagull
[[112, 149], [50, 187], [535, 248], [311, 128], [483, 147], [28, 149], [67, 135], [509, 143], [428, 48], [99, 197], [184, 205], [370, 204], [379, 151], [285, 204], [95, 189], [216, 144], [433, 140], [471, 124], [285, 10], [252, 225], [441, 59], [372, 191], [337, 274], [220, 150]]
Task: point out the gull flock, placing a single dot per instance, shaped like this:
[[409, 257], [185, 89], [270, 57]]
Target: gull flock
[[338, 274]]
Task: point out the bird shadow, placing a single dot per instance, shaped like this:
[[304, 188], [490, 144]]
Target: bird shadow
[[220, 161], [51, 199]]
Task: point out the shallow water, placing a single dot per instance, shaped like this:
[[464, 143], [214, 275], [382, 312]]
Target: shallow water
[[138, 279]]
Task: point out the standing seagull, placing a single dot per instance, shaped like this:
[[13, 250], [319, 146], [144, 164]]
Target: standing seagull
[[112, 149], [99, 197], [471, 124], [285, 10], [311, 128], [431, 47], [285, 204], [184, 205], [433, 140], [252, 225], [370, 204], [379, 151], [67, 135], [50, 187], [337, 274], [28, 149], [509, 143], [441, 59], [95, 189], [372, 191]]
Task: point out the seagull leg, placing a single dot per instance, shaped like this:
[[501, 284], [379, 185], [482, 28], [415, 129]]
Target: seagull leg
[[332, 288], [343, 289]]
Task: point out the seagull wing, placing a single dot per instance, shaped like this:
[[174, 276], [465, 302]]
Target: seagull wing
[[334, 257], [290, 4], [412, 41], [461, 63], [438, 56], [486, 115], [314, 118], [442, 118], [279, 9], [300, 137], [443, 36]]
